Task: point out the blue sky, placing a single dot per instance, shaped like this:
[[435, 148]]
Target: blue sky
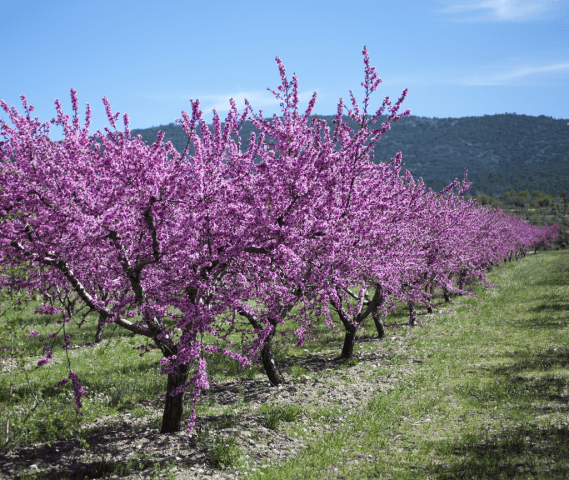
[[457, 57]]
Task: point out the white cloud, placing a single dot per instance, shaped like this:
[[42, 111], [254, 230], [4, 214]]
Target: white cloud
[[221, 102], [506, 78], [511, 72], [493, 10]]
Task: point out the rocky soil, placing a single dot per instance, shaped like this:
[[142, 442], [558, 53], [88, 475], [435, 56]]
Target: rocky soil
[[323, 388]]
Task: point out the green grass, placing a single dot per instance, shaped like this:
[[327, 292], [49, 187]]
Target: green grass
[[276, 415], [489, 399]]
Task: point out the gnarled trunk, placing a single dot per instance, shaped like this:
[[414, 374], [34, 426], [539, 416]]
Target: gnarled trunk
[[379, 325], [351, 329], [349, 341], [266, 355], [352, 326], [101, 322], [429, 307], [377, 301], [100, 327], [461, 279], [411, 313], [268, 359], [174, 407]]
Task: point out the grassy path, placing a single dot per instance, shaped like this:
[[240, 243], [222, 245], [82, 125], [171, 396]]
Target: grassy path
[[490, 399]]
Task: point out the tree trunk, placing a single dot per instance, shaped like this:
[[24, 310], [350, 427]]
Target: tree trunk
[[101, 323], [266, 354], [446, 295], [461, 280], [100, 327], [269, 362], [351, 330], [174, 408], [352, 326], [411, 313], [379, 325], [349, 341], [430, 307]]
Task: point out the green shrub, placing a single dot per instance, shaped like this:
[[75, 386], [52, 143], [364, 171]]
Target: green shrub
[[545, 200], [524, 194]]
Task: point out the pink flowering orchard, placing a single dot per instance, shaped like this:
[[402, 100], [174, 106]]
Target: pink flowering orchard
[[117, 242], [132, 233]]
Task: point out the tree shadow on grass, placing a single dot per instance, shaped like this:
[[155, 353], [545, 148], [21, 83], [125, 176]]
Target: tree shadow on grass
[[548, 358], [524, 452], [562, 305], [535, 446], [552, 313]]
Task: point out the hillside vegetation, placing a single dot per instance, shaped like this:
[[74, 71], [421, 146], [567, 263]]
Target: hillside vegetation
[[502, 152]]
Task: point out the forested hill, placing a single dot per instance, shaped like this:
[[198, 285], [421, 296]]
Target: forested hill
[[502, 152]]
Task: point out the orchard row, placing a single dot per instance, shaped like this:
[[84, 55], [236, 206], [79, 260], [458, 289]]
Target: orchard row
[[131, 233]]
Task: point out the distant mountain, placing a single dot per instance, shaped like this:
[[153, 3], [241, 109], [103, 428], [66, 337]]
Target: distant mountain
[[502, 152]]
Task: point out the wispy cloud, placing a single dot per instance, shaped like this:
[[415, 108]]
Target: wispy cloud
[[221, 103], [506, 78], [509, 72], [514, 11]]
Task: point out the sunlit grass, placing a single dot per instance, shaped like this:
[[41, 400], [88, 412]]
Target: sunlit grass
[[489, 401]]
